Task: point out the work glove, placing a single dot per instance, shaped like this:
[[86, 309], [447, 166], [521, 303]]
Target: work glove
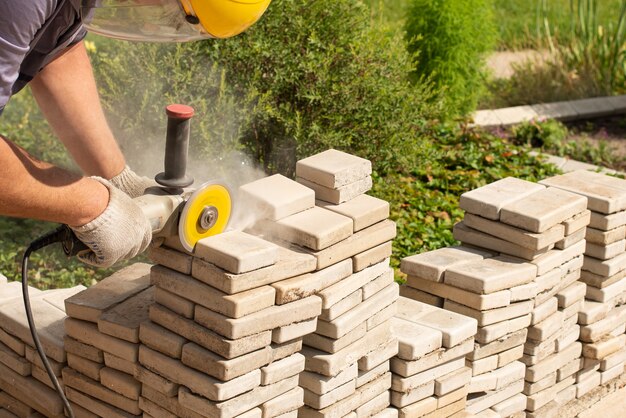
[[121, 232], [131, 183]]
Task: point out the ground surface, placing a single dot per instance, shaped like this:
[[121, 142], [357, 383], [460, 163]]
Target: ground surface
[[610, 130]]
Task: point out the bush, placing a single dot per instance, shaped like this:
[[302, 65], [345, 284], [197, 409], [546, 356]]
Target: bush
[[448, 40], [308, 76]]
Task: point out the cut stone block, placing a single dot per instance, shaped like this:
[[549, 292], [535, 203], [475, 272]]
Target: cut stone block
[[415, 340], [530, 240], [311, 283], [544, 310], [333, 168], [293, 331], [490, 333], [198, 382], [543, 209], [341, 194], [546, 328], [94, 389], [49, 321], [378, 356], [432, 265], [553, 363], [600, 190], [596, 236], [571, 294], [13, 343], [509, 356], [490, 275], [123, 320], [161, 339], [275, 197], [233, 306], [572, 239], [237, 252], [613, 360], [89, 368], [207, 338], [471, 236], [213, 365], [320, 384], [455, 328], [93, 406], [605, 252], [236, 406], [357, 243], [605, 268], [56, 297], [406, 384], [120, 383], [375, 406], [524, 292], [475, 405], [438, 357], [483, 365], [284, 350], [503, 344], [322, 401], [452, 381], [333, 345], [344, 288], [372, 256], [366, 376], [487, 201], [483, 383], [364, 210], [82, 350], [171, 258], [282, 404], [555, 258], [290, 263], [607, 222], [153, 380], [577, 222], [599, 281], [267, 319], [174, 303], [282, 369], [404, 399], [473, 300], [343, 306], [13, 361], [351, 319], [89, 304], [418, 409], [31, 392], [378, 284], [331, 364], [419, 296], [604, 347], [171, 404]]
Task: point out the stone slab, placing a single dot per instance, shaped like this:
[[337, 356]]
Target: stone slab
[[223, 369], [599, 237], [333, 168], [341, 194], [335, 293], [237, 252], [275, 197], [605, 252], [174, 303], [282, 369], [415, 340], [607, 222], [372, 256], [364, 210], [170, 258], [123, 320], [89, 304], [487, 201], [432, 265]]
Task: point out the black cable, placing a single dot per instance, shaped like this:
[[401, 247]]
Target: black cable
[[58, 235]]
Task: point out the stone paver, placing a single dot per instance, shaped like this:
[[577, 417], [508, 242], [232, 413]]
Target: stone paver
[[333, 168], [275, 197], [364, 210], [341, 194], [431, 265]]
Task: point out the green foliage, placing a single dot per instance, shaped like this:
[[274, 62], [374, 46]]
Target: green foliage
[[537, 134], [424, 198], [449, 40], [307, 77]]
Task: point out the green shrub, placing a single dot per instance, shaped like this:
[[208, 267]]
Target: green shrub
[[549, 134], [308, 76], [449, 40]]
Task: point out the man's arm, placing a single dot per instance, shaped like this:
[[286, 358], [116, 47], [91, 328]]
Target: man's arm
[[66, 93]]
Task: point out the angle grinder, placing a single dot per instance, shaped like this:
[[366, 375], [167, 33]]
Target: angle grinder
[[173, 209]]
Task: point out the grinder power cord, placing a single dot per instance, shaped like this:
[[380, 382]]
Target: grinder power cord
[[167, 211]]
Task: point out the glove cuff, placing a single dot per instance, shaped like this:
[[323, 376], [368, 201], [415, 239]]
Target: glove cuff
[[103, 218], [130, 182]]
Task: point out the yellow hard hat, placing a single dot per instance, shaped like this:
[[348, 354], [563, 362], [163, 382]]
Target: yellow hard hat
[[171, 20]]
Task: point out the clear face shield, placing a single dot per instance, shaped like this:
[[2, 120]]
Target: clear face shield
[[141, 20]]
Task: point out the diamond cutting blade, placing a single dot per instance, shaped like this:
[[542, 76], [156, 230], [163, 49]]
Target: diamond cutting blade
[[205, 213]]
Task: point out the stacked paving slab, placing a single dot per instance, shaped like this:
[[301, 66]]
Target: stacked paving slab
[[430, 377], [520, 281], [102, 343], [603, 317], [348, 234], [221, 342], [25, 388]]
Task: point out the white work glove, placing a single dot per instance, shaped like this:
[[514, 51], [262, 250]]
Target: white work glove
[[131, 183], [121, 232]]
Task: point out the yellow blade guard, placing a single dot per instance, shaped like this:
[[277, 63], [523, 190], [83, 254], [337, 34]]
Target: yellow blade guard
[[206, 213]]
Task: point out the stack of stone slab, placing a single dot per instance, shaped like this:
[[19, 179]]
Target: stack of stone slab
[[603, 317], [491, 290], [430, 377], [349, 236], [25, 388], [218, 344], [102, 343], [539, 233]]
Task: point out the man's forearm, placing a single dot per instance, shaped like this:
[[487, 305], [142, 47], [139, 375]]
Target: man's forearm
[[38, 190], [66, 93]]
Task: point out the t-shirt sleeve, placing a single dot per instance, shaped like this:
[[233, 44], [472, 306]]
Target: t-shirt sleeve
[[19, 22]]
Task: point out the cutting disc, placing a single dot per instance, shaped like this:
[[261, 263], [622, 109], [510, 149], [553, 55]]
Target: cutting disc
[[206, 213]]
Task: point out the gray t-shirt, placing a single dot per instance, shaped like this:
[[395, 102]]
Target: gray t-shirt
[[33, 33]]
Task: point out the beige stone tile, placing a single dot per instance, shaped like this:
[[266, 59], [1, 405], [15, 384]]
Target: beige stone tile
[[599, 281], [491, 316], [320, 384], [571, 239], [366, 376], [291, 263], [508, 407], [613, 360], [373, 406], [380, 355], [13, 343], [340, 194], [594, 332], [607, 293], [415, 340], [419, 296], [543, 311], [322, 401], [452, 381], [596, 236], [123, 320], [83, 350], [223, 369], [171, 404], [333, 345], [120, 383], [333, 168], [344, 288], [420, 408], [153, 380], [524, 292], [607, 222], [478, 404], [483, 383], [510, 355], [556, 258], [13, 361], [343, 306], [591, 382], [372, 256], [577, 222], [553, 363], [569, 336], [89, 368], [605, 252], [406, 368], [372, 288], [471, 236], [257, 322], [171, 258], [284, 350], [282, 404], [406, 384], [89, 304], [233, 306], [431, 265], [483, 365], [160, 339], [604, 347], [87, 333], [311, 283], [237, 252], [571, 294], [293, 331], [487, 201], [174, 303], [546, 328], [282, 369], [275, 197], [493, 332], [93, 405], [364, 210], [611, 373], [505, 343]]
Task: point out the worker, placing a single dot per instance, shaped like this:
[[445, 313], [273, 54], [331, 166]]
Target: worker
[[41, 44]]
